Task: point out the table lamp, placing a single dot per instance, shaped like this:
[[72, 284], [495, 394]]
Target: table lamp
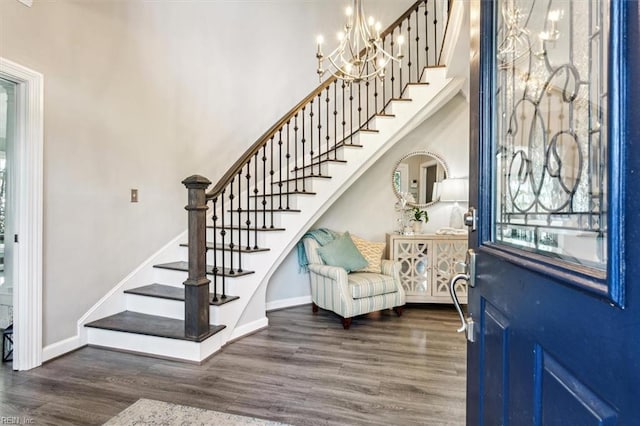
[[455, 190]]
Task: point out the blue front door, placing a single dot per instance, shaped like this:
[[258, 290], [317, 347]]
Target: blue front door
[[555, 177]]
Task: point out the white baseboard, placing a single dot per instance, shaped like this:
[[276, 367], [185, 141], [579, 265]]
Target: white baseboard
[[249, 328], [54, 350], [288, 303]]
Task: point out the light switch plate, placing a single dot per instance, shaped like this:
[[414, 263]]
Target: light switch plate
[[26, 2]]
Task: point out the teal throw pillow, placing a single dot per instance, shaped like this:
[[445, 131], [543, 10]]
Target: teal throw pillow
[[342, 252]]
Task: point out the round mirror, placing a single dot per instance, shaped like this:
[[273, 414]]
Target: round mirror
[[416, 178]]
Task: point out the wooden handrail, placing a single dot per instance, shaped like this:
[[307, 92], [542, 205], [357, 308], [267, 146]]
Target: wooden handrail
[[255, 148]]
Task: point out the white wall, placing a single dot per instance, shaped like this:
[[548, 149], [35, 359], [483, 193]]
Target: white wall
[[367, 209], [141, 94]]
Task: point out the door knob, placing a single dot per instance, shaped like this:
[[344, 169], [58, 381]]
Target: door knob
[[471, 218]]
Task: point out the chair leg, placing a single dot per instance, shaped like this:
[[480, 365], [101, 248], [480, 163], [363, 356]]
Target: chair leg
[[398, 310], [314, 308], [346, 323]]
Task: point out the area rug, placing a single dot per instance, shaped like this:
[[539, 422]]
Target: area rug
[[150, 412]]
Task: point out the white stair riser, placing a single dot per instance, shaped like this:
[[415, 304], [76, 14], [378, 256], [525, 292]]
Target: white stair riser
[[262, 236], [170, 308], [176, 278], [277, 201], [248, 259], [158, 346], [321, 169], [264, 219]]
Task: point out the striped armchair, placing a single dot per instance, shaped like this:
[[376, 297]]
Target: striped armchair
[[356, 293]]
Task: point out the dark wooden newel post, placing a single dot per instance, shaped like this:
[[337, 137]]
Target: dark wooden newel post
[[196, 287]]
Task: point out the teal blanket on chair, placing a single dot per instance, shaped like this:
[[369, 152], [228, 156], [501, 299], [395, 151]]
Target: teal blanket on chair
[[322, 236]]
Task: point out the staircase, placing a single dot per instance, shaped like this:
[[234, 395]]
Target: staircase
[[241, 229]]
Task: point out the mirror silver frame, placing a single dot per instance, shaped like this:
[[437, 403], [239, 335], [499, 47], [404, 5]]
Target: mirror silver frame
[[437, 157]]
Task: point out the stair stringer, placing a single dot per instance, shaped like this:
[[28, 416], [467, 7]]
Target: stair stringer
[[328, 191]]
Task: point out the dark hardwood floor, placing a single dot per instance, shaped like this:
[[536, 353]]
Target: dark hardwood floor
[[303, 370]]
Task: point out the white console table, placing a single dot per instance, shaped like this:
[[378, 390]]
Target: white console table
[[427, 264]]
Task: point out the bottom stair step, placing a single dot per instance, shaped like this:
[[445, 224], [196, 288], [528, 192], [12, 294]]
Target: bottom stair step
[[150, 325], [174, 293]]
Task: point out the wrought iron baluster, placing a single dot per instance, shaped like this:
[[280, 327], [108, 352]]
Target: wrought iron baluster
[[435, 33], [215, 249], [295, 147], [401, 88], [288, 158], [230, 246], [271, 173], [223, 232], [351, 113], [335, 120], [426, 33], [417, 44], [255, 201], [248, 221], [311, 131], [408, 49], [368, 117], [375, 95], [303, 159], [264, 186], [344, 121], [319, 135], [327, 114], [280, 169], [384, 86], [359, 105], [239, 221], [393, 70]]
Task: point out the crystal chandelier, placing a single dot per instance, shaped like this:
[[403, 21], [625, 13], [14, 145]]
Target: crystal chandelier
[[360, 54]]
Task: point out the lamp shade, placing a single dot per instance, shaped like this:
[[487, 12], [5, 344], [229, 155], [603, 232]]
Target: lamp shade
[[454, 189], [436, 191]]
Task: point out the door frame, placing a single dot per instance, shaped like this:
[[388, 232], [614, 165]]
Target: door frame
[[27, 213]]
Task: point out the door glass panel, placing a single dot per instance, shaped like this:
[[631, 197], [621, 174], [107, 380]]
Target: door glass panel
[[551, 128]]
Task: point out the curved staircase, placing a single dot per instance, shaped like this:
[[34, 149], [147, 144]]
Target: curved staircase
[[266, 202]]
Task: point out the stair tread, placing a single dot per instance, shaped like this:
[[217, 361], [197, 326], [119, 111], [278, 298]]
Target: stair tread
[[335, 148], [252, 229], [243, 248], [149, 325], [317, 163], [277, 194], [259, 210], [184, 266], [163, 291], [402, 99], [302, 177]]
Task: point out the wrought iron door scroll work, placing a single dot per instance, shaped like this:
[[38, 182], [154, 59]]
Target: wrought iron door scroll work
[[550, 133]]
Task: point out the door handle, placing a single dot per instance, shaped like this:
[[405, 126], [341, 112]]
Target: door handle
[[454, 297], [468, 275]]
